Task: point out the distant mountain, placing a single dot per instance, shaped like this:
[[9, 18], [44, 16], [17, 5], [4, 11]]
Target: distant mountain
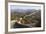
[[22, 11]]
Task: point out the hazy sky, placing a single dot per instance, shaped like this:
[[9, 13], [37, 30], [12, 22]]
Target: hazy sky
[[13, 7]]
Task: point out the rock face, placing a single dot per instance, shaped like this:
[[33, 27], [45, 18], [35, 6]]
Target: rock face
[[16, 25]]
